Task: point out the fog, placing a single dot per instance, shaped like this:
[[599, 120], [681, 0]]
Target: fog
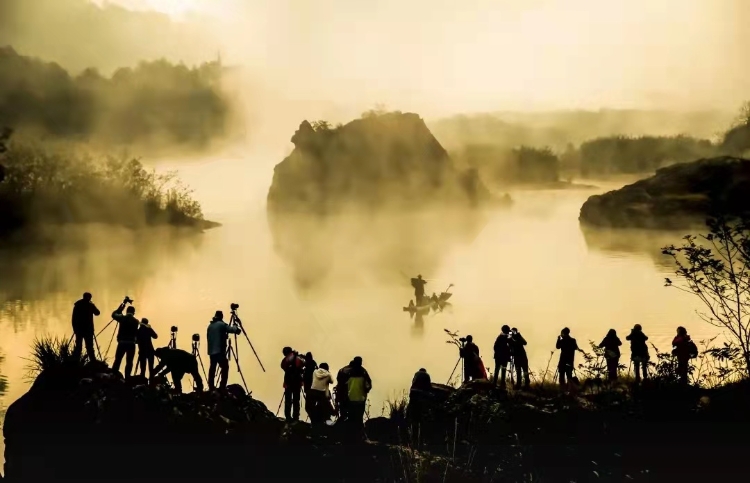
[[529, 266]]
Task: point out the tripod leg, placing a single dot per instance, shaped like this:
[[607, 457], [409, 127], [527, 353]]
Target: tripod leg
[[96, 341], [105, 327], [110, 343], [203, 368], [280, 403], [454, 370], [237, 361]]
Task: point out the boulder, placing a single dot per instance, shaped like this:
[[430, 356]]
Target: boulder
[[676, 197], [379, 185]]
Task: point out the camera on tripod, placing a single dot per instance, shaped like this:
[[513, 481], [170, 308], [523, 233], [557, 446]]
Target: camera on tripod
[[127, 300], [196, 337], [234, 306], [173, 329]]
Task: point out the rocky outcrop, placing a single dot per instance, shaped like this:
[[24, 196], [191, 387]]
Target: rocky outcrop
[[677, 196], [364, 184], [80, 423]]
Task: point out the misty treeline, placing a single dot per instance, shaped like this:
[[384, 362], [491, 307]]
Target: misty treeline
[[155, 104], [79, 34], [519, 148], [53, 184]]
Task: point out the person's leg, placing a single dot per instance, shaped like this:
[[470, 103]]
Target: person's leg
[[212, 372], [561, 373], [150, 360], [288, 404], [519, 372], [637, 369], [89, 338], [526, 376], [177, 380], [119, 353], [198, 379], [503, 373], [644, 365], [611, 369], [140, 363], [682, 370], [295, 402], [77, 346], [497, 373], [224, 366], [129, 356]]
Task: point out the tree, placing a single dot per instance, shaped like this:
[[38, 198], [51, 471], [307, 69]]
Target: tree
[[716, 268]]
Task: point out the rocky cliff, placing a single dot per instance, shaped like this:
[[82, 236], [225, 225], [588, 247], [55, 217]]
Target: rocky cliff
[[378, 184], [677, 196]]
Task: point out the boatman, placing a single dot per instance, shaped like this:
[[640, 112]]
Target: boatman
[[418, 284]]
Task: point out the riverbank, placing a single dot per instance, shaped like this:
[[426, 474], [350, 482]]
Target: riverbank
[[85, 413]]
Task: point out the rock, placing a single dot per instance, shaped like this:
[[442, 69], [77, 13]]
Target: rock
[[377, 184], [676, 197]]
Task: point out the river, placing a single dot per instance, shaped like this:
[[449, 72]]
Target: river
[[530, 267]]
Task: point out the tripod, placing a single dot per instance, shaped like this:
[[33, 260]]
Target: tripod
[[454, 370], [197, 355]]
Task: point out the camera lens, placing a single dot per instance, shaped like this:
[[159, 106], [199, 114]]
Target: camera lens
[[174, 328], [196, 337]]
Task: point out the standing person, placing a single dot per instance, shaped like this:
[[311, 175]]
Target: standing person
[[178, 362], [418, 284], [144, 338], [470, 353], [419, 394], [127, 334], [341, 390], [217, 334], [292, 365], [359, 385], [684, 349], [318, 405], [611, 345], [307, 374], [638, 352], [84, 312], [502, 355], [568, 347], [520, 359]]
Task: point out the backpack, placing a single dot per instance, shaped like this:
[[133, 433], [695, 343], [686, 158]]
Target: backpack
[[692, 349]]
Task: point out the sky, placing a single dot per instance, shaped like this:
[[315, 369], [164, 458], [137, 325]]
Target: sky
[[445, 56]]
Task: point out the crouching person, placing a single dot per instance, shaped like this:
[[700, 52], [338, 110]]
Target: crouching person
[[177, 362]]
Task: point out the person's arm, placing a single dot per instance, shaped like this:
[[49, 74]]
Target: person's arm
[[557, 345], [154, 335], [521, 339], [117, 314], [94, 309], [159, 367], [233, 329], [428, 380], [619, 342], [627, 337], [603, 343]]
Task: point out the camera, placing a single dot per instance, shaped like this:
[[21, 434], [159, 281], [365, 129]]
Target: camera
[[462, 339], [196, 337], [174, 328], [234, 306], [127, 300]]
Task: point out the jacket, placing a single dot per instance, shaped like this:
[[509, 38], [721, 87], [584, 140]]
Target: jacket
[[127, 331], [144, 338], [176, 360], [638, 347], [321, 380], [292, 366], [358, 384], [217, 334], [611, 346], [681, 347], [308, 373], [83, 317], [517, 349], [421, 381], [502, 348], [568, 347]]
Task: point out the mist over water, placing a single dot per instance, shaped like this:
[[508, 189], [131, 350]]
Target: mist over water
[[530, 267]]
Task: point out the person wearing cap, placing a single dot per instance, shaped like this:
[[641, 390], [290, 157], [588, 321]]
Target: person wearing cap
[[127, 334], [84, 312], [217, 334]]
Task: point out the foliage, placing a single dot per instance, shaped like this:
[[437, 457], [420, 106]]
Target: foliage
[[46, 186], [51, 353], [627, 155], [156, 103], [736, 140], [536, 165], [718, 273], [524, 164]]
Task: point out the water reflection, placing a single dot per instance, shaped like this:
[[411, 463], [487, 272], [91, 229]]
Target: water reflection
[[633, 242]]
